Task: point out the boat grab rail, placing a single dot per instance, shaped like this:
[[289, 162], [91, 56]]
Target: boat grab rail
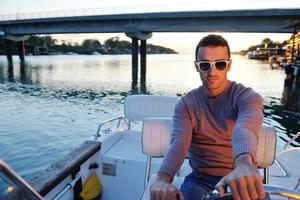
[[281, 169], [291, 140], [269, 189], [12, 178], [120, 118], [283, 172], [68, 187]]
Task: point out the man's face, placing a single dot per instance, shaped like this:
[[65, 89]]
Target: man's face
[[214, 80]]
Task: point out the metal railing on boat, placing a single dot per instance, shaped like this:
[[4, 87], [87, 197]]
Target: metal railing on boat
[[120, 118], [68, 187], [11, 177]]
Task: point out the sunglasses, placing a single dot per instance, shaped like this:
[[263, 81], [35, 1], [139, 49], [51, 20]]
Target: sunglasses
[[205, 66]]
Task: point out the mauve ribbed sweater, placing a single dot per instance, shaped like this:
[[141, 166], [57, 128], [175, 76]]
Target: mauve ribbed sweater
[[214, 131]]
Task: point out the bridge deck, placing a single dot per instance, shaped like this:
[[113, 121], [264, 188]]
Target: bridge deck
[[265, 20]]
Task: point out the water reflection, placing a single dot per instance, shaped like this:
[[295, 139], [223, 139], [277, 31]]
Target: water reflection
[[10, 72], [140, 88], [96, 79], [291, 96], [27, 74], [291, 101], [286, 112]]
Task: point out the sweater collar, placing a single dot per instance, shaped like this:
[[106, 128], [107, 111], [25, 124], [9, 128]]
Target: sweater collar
[[216, 98]]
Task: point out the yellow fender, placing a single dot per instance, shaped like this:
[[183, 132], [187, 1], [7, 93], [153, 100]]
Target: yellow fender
[[92, 188]]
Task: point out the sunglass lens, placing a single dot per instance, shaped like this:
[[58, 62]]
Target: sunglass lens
[[221, 65], [204, 66]]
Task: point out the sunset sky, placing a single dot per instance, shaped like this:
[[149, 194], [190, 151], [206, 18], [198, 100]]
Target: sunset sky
[[185, 42]]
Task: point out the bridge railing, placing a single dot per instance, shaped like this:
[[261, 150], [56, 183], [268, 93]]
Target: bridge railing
[[203, 6], [90, 12]]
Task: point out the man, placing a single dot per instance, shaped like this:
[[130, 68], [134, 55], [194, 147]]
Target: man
[[218, 124]]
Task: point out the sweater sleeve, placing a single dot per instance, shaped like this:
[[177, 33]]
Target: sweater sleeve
[[180, 142], [245, 134]]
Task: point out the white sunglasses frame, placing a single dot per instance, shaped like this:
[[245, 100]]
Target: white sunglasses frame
[[212, 63]]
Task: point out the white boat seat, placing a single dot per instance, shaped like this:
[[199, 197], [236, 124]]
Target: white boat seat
[[266, 148], [156, 137], [138, 107]]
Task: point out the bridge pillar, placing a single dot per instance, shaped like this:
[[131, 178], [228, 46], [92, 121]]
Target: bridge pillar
[[134, 57], [21, 49], [20, 44], [143, 53], [135, 36], [8, 48]]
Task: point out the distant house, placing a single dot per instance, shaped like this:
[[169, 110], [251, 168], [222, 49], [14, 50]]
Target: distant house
[[292, 48], [36, 50]]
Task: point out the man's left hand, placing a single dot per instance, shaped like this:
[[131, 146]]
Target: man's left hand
[[244, 181]]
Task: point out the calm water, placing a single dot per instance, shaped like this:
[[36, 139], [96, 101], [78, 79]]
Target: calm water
[[54, 103]]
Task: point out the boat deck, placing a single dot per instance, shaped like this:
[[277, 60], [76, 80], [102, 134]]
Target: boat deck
[[123, 167]]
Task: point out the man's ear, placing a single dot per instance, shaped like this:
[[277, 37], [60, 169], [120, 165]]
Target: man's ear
[[196, 66], [229, 65]]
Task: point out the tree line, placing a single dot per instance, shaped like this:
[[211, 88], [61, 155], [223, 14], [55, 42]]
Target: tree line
[[112, 45], [265, 43]]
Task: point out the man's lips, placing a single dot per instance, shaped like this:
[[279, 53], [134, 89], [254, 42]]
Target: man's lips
[[212, 78]]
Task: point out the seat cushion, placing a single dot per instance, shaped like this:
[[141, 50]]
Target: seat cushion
[[266, 148], [156, 136]]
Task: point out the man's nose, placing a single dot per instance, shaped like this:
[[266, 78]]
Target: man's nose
[[212, 70]]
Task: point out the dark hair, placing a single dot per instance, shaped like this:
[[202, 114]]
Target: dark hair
[[212, 40]]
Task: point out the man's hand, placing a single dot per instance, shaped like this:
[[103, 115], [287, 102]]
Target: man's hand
[[244, 181], [163, 189]]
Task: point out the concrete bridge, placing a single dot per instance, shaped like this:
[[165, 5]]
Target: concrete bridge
[[141, 26], [266, 20]]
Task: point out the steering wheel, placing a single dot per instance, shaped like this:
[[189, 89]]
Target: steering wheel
[[269, 189]]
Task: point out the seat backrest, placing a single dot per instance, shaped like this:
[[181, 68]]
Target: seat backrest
[[266, 148], [157, 136], [138, 107]]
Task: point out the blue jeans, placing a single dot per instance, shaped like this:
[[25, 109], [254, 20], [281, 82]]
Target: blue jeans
[[196, 185]]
